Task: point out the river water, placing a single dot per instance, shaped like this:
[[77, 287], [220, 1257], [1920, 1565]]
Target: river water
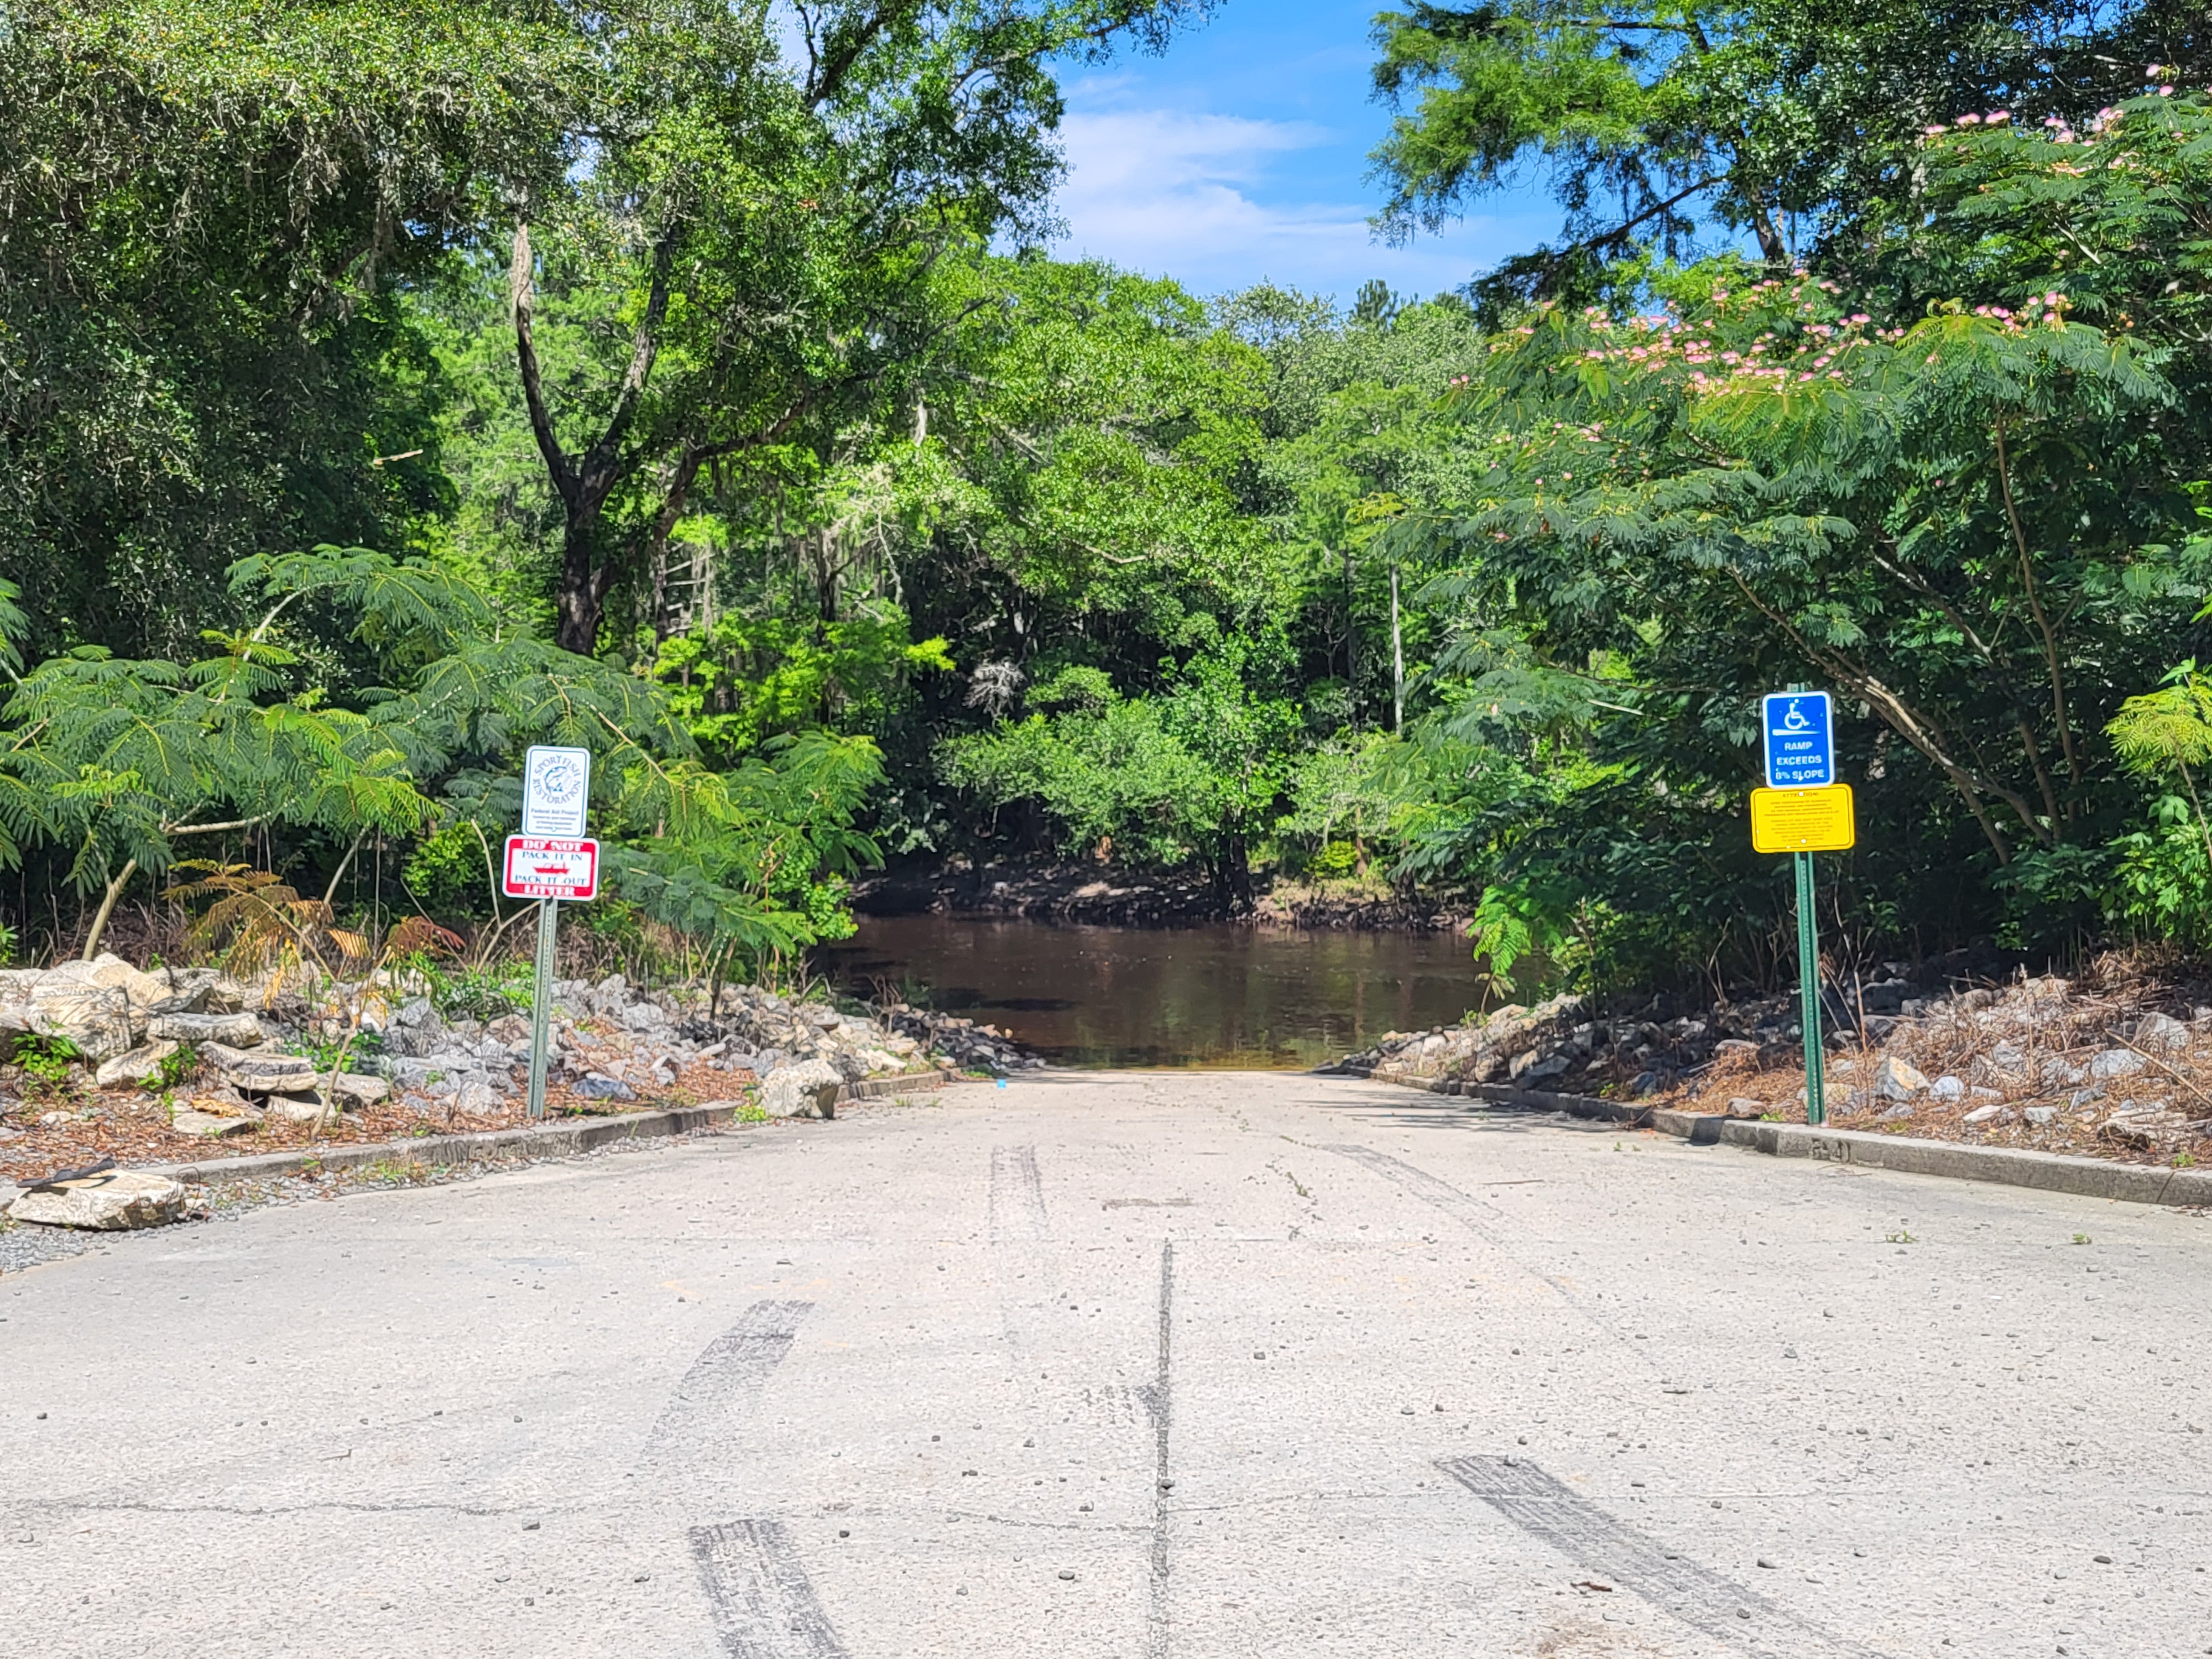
[[1212, 995]]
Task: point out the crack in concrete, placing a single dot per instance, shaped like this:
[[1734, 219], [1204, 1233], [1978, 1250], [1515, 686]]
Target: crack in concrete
[[1159, 1396], [325, 1505]]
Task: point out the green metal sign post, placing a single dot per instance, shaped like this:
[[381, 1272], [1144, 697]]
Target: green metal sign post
[[1808, 991]]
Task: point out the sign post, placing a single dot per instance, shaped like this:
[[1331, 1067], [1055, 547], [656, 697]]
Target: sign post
[[1801, 811], [1808, 996], [551, 859], [541, 1004]]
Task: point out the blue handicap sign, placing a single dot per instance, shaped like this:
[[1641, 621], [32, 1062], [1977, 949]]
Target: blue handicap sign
[[1800, 743]]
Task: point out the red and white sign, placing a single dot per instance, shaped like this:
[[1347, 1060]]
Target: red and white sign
[[543, 868]]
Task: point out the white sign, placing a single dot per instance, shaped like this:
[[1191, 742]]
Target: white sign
[[556, 787], [551, 866], [1801, 745]]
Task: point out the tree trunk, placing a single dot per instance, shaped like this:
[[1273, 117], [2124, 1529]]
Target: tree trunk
[[107, 908], [584, 482], [580, 605], [1232, 875], [1397, 657]]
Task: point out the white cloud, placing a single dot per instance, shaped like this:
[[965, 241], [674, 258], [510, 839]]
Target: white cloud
[[1179, 193]]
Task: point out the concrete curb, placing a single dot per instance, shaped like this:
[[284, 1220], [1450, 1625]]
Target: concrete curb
[[888, 1088], [532, 1140], [547, 1139], [2006, 1166]]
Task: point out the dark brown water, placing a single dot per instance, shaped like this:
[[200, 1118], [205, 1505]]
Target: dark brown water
[[1220, 996]]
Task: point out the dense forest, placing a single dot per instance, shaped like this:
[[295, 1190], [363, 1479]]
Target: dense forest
[[386, 387]]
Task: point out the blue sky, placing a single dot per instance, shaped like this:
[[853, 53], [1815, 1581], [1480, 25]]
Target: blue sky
[[1241, 154]]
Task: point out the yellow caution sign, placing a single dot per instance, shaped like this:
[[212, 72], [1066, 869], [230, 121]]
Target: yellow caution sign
[[1803, 820]]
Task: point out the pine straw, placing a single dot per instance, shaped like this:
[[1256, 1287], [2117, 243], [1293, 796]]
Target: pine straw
[[133, 1128], [2048, 1023]]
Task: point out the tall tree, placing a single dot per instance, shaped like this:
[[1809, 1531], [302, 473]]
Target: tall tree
[[1793, 122], [206, 206], [749, 243]]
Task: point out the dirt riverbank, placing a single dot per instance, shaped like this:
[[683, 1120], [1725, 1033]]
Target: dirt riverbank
[[1049, 892]]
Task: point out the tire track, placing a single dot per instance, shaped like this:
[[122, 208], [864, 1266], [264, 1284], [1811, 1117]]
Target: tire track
[[1018, 1214], [763, 1603], [723, 1384], [1471, 1213], [1595, 1542]]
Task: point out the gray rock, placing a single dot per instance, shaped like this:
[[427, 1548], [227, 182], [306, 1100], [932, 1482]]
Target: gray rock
[[105, 972], [302, 1107], [96, 1018], [2160, 1031], [1997, 1112], [405, 1042], [2042, 1116], [642, 1016], [1893, 1080], [807, 1088], [610, 996], [354, 1088], [239, 1031], [259, 1071], [135, 1068], [597, 1086], [476, 1097], [1947, 1088], [1537, 1064], [1885, 996], [200, 990], [209, 1125], [115, 1200], [1897, 1113], [2115, 1063]]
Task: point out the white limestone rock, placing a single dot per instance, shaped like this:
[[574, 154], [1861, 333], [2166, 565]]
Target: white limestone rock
[[807, 1088], [114, 1201], [259, 1072], [134, 1069], [212, 1127]]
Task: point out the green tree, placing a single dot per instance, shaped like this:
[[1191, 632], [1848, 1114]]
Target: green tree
[[1794, 122], [206, 207], [764, 233]]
